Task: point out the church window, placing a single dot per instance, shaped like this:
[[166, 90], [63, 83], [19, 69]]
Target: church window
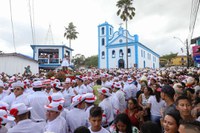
[[102, 41], [102, 30], [113, 54], [121, 53], [129, 52], [141, 53], [110, 31], [103, 55]]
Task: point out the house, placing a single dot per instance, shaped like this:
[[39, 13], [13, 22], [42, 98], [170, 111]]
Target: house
[[112, 49], [15, 63]]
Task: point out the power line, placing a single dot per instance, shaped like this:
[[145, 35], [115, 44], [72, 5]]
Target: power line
[[31, 21], [13, 34]]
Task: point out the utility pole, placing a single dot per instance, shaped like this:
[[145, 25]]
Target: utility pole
[[187, 50]]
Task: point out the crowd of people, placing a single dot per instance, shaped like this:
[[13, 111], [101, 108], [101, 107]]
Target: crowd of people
[[146, 100]]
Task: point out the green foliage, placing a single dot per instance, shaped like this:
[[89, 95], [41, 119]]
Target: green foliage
[[50, 74], [169, 56], [91, 61], [78, 60]]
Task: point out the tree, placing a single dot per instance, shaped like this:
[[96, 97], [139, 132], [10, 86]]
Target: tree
[[70, 33], [78, 60], [91, 61], [125, 11]]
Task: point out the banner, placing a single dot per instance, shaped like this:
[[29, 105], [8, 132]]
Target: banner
[[196, 51]]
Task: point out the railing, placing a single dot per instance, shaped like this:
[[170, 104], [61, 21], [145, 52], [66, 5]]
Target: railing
[[48, 61]]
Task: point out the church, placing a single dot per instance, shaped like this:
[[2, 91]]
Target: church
[[112, 50]]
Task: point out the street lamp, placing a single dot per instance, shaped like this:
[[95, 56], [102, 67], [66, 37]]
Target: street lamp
[[187, 49]]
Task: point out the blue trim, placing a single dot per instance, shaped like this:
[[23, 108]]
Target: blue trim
[[34, 53], [49, 65], [107, 37], [136, 55], [99, 47], [121, 36], [43, 45], [121, 45], [149, 50], [63, 52]]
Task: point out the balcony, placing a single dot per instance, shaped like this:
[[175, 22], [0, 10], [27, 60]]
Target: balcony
[[48, 61]]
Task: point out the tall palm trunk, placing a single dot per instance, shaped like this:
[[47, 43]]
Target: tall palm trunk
[[126, 45]]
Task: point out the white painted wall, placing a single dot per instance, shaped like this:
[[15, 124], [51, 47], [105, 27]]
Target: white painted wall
[[14, 64]]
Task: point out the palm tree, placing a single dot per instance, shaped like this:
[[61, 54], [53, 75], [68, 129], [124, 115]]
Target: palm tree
[[125, 11], [70, 33]]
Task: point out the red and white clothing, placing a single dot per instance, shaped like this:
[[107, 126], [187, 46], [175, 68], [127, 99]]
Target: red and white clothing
[[108, 115]]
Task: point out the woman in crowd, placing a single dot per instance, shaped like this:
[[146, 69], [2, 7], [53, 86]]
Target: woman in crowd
[[134, 112], [155, 103], [122, 124], [171, 122], [142, 102]]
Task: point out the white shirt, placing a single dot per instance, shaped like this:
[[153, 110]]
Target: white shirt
[[20, 99], [9, 99], [37, 100], [2, 95], [108, 115], [155, 106], [115, 103], [81, 89], [3, 129], [57, 125], [26, 126], [76, 118], [68, 94], [103, 130]]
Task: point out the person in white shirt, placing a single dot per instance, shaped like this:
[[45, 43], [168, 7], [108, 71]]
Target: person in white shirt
[[23, 123], [55, 122], [4, 118], [80, 88], [95, 119], [105, 104], [2, 92], [77, 116], [37, 100], [19, 93]]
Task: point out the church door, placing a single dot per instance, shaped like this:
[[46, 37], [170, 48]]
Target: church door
[[121, 63]]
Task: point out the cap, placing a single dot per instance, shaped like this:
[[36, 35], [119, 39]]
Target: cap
[[90, 98], [77, 99], [18, 109], [54, 106], [104, 91]]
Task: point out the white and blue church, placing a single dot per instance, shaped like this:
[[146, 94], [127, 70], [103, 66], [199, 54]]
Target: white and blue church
[[112, 49]]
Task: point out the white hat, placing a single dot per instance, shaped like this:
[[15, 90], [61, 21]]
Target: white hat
[[59, 87], [104, 91], [46, 82], [56, 97], [130, 80], [54, 106], [67, 80], [4, 116], [143, 78], [107, 85], [77, 99], [117, 85], [90, 98], [37, 84], [3, 105], [18, 109], [18, 84]]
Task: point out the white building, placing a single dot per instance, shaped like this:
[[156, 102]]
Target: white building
[[112, 50], [14, 63]]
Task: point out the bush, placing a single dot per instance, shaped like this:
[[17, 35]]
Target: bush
[[61, 76], [50, 74]]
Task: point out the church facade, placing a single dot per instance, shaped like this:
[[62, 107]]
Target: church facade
[[112, 49]]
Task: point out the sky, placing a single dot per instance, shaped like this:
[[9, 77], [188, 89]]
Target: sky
[[156, 22]]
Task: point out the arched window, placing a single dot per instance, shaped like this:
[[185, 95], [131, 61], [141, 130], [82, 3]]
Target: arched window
[[102, 41], [103, 55], [121, 53], [102, 30], [129, 52], [113, 54]]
